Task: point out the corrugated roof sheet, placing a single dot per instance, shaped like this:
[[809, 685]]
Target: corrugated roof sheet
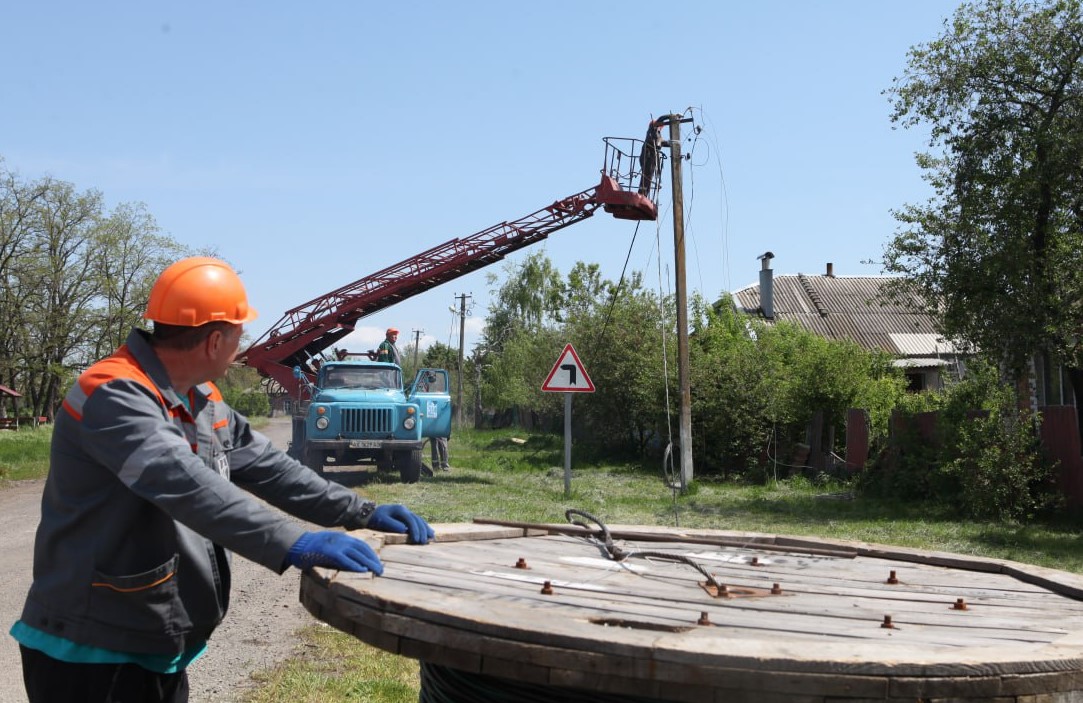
[[922, 344], [920, 363], [848, 308]]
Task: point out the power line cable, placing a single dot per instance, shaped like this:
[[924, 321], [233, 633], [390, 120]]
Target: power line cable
[[710, 138]]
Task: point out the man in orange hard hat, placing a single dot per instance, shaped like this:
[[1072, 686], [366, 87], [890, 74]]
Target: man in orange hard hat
[[147, 496], [387, 351]]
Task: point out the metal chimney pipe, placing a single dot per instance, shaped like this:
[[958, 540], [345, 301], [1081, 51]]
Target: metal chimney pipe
[[830, 269], [767, 286]]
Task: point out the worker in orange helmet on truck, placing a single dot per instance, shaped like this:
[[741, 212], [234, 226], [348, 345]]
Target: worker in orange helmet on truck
[[387, 351], [148, 493]]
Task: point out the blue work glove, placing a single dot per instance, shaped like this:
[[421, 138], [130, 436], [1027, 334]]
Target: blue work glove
[[398, 518], [334, 550]]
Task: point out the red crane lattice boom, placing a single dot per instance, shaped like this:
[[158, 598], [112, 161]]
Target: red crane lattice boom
[[307, 330]]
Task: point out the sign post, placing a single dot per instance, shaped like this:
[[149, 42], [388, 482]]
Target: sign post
[[568, 376]]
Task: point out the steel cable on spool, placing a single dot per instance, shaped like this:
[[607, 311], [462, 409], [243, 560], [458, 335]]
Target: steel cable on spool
[[617, 553]]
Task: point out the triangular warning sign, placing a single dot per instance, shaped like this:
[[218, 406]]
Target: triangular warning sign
[[568, 374]]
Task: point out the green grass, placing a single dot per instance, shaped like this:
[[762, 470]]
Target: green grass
[[333, 666], [24, 454], [496, 477]]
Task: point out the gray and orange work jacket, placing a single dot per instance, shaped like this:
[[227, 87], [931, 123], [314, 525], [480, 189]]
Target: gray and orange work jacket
[[145, 500]]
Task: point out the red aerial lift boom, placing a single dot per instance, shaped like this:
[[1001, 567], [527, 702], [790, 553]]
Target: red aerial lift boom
[[306, 331]]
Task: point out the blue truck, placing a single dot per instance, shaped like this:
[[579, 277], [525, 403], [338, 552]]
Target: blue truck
[[360, 412]]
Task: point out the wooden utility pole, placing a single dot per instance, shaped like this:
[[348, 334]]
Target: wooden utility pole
[[674, 145], [417, 344], [462, 342]]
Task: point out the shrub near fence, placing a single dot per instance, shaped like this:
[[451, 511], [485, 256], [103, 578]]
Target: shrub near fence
[[992, 464]]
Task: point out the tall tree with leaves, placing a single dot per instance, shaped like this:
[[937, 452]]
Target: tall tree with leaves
[[18, 208], [530, 296], [128, 255], [1000, 244]]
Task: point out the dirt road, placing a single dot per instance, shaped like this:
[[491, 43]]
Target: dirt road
[[257, 633]]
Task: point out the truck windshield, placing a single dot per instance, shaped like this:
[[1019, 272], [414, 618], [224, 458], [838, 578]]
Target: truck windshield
[[362, 378]]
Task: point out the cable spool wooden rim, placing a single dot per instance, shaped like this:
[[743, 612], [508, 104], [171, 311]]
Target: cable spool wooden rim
[[804, 619]]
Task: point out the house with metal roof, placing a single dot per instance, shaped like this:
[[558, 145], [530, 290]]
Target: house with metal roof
[[858, 309]]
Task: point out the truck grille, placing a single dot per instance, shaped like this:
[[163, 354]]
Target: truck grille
[[365, 420]]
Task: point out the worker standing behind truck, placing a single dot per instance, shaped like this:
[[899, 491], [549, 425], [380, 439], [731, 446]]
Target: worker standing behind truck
[[438, 445], [143, 506]]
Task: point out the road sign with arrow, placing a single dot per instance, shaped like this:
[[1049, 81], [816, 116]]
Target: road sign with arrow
[[568, 374]]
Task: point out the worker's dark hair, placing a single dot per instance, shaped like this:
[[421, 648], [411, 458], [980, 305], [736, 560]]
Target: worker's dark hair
[[184, 338]]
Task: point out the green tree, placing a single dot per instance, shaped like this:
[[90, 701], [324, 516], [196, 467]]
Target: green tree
[[73, 279], [243, 391], [18, 206], [529, 297], [999, 246], [57, 276], [618, 334], [129, 254], [756, 388]]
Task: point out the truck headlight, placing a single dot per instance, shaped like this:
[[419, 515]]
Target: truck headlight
[[409, 423], [322, 422]]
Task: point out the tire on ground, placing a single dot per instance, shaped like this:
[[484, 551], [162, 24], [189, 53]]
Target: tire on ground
[[313, 459], [408, 462]]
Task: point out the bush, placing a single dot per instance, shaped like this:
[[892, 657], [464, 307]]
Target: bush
[[985, 459], [243, 391], [1000, 470]]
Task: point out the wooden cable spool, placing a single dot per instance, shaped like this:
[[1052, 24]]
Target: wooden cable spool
[[798, 619]]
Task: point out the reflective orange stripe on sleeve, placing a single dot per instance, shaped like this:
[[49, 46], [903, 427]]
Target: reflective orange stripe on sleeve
[[120, 365]]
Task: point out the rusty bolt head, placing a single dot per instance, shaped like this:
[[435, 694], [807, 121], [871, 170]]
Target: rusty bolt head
[[892, 579], [887, 623], [776, 590], [755, 561], [959, 604], [723, 591], [703, 619], [547, 588], [521, 564]]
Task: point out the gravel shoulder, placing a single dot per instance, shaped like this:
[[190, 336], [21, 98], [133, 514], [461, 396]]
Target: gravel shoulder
[[258, 632]]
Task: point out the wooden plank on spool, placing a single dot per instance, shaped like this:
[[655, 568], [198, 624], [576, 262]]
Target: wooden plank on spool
[[453, 532]]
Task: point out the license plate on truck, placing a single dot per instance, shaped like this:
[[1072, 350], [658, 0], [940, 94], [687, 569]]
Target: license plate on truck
[[364, 444]]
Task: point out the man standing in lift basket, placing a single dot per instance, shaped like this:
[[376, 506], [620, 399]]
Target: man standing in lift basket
[[146, 498]]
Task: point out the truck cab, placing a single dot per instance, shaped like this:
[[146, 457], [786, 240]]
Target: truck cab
[[360, 411]]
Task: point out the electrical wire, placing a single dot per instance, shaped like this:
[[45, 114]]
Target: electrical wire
[[689, 229], [667, 467], [711, 140], [616, 291]]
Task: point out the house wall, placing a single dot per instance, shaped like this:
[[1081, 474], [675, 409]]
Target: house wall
[[1052, 385]]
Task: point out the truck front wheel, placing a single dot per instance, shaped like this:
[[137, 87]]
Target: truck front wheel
[[313, 459], [408, 462]]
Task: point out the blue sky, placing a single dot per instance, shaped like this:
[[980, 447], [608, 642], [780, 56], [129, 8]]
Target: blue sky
[[313, 144]]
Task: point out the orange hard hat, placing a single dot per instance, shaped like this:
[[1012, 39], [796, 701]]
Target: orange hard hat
[[198, 290], [392, 330]]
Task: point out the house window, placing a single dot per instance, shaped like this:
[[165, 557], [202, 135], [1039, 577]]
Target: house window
[[915, 382]]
